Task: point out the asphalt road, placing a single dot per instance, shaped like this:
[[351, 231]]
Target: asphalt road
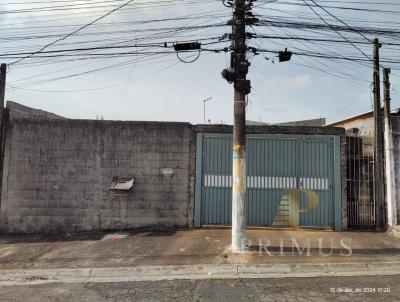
[[371, 288]]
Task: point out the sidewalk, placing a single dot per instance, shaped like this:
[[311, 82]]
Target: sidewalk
[[394, 231], [197, 252]]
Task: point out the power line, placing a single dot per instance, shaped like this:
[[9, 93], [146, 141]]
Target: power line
[[358, 9], [359, 2], [60, 7], [153, 37], [93, 71], [349, 103], [309, 39], [156, 45], [301, 25], [324, 56], [315, 64], [43, 2], [355, 46], [72, 33], [341, 21]]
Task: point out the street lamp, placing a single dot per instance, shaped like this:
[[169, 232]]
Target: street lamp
[[204, 110]]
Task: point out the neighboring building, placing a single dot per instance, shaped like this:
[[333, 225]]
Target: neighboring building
[[364, 122], [256, 123], [360, 131], [362, 125], [28, 112], [318, 122]]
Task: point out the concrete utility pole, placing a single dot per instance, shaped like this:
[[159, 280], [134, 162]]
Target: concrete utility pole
[[239, 136], [389, 159], [379, 182], [204, 108], [242, 16], [242, 87], [3, 74]]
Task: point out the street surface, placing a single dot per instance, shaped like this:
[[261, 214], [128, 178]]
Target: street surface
[[370, 288]]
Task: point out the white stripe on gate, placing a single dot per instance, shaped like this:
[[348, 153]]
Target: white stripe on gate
[[265, 182]]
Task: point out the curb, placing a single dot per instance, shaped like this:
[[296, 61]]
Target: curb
[[197, 272], [394, 231]]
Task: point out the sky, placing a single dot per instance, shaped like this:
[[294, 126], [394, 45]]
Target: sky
[[156, 87]]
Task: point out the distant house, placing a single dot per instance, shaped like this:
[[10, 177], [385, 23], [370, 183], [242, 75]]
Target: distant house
[[21, 111], [362, 124], [318, 122]]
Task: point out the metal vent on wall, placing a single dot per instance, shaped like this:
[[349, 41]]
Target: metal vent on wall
[[121, 184]]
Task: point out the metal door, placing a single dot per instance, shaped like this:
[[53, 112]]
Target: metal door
[[315, 173], [271, 170], [360, 185], [291, 180]]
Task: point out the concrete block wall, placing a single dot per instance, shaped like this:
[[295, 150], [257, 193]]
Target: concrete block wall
[[56, 174]]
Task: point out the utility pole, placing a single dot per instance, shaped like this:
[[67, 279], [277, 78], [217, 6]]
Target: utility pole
[[389, 159], [204, 108], [3, 71], [236, 74], [379, 182], [3, 76], [239, 132]]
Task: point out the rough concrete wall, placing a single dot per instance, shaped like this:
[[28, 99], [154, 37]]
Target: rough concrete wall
[[192, 180], [56, 175]]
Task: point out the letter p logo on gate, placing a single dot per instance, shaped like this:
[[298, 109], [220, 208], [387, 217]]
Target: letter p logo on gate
[[288, 214]]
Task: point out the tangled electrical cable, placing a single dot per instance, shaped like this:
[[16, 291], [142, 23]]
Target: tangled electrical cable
[[189, 61], [187, 47], [227, 3]]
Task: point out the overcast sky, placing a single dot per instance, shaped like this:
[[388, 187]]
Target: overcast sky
[[165, 89]]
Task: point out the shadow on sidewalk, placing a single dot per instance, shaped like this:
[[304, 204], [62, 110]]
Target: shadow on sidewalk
[[86, 236]]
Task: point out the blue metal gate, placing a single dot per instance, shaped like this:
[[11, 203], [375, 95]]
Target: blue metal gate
[[291, 180]]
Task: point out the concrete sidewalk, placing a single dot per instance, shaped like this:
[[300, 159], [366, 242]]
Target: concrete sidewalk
[[394, 231], [272, 251]]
